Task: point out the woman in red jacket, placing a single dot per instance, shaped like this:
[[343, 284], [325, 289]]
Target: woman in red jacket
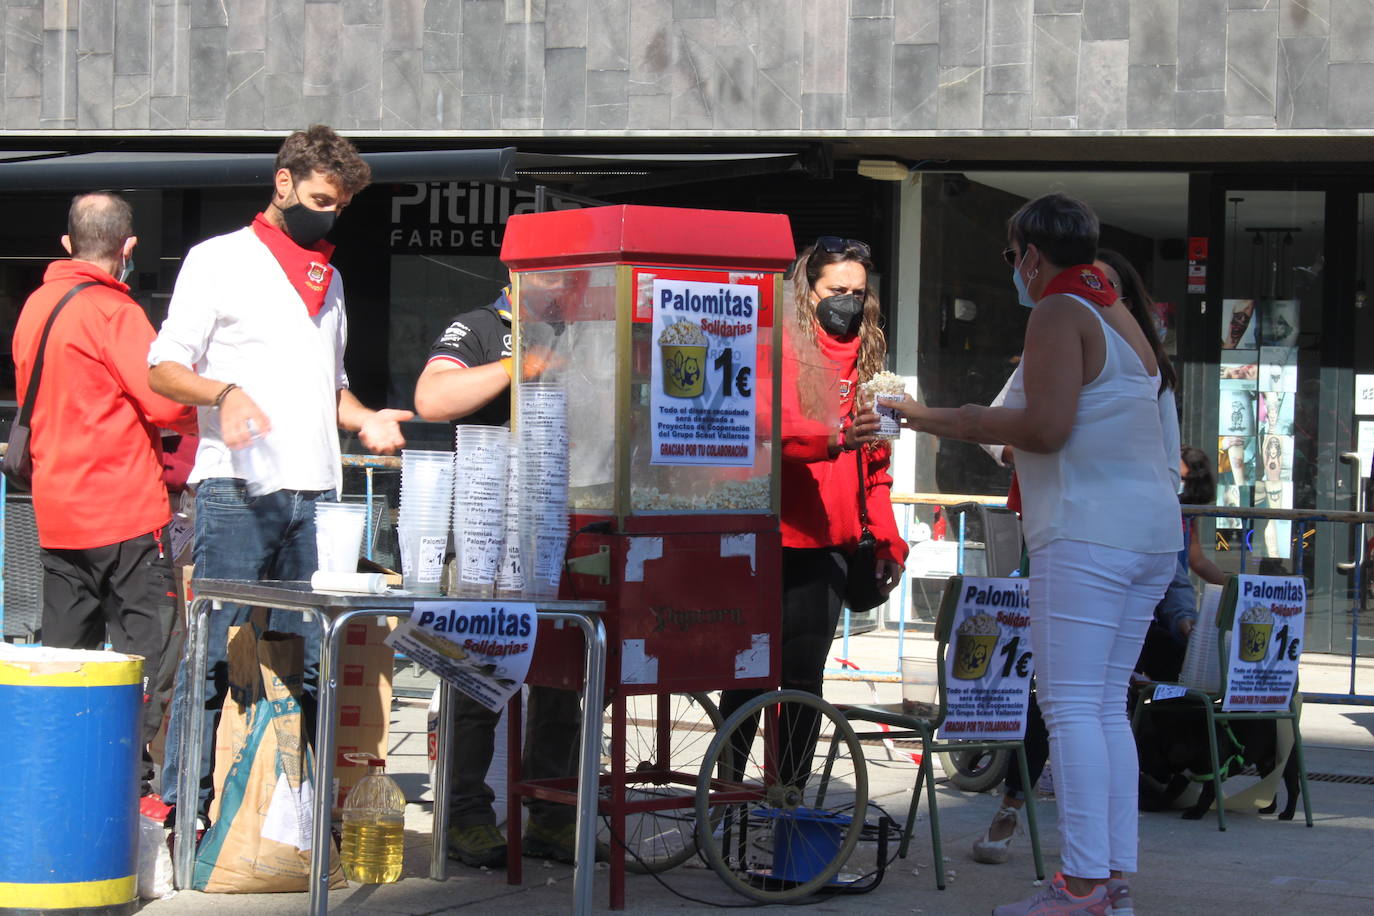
[[832, 344]]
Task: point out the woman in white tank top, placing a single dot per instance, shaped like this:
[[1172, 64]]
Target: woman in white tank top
[[1100, 516]]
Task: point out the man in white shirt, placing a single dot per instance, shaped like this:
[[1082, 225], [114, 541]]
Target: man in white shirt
[[255, 338]]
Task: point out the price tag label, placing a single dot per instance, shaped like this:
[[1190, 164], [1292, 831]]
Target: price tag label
[[1169, 692]]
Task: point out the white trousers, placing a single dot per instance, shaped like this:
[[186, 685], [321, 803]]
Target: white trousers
[[1090, 608]]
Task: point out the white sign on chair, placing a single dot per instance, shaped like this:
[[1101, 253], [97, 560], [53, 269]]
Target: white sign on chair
[[1266, 643], [988, 664]]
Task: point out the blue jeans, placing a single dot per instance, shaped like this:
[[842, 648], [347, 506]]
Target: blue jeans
[[254, 538]]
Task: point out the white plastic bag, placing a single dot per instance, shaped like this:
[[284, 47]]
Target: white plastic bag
[[154, 861]]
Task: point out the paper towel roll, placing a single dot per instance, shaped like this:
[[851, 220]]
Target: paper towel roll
[[349, 583]]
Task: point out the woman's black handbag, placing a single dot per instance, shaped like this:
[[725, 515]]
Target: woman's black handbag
[[861, 592]]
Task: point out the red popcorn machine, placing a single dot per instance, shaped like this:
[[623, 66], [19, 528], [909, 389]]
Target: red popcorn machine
[[662, 329]]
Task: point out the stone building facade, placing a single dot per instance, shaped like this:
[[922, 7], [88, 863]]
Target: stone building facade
[[689, 68]]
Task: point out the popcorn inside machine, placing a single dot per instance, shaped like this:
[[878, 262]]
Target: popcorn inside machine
[[657, 328]]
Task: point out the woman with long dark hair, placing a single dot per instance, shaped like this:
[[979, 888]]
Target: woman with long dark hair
[[833, 344]]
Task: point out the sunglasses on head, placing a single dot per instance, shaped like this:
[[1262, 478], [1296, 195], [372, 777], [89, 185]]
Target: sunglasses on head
[[833, 244]]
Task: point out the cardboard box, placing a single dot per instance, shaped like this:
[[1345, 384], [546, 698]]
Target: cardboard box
[[364, 701]]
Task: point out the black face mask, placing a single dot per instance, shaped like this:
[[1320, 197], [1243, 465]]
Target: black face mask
[[840, 316], [306, 226]]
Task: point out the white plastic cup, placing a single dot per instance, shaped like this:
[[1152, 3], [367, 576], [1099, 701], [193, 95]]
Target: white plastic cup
[[339, 535]]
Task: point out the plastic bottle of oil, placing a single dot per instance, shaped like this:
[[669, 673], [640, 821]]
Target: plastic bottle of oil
[[374, 828]]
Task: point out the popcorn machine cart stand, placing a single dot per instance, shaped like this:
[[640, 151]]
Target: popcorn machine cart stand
[[660, 325]]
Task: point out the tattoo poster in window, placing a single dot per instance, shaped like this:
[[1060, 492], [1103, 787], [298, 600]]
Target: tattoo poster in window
[[988, 662], [1276, 458], [1240, 365], [1238, 320], [481, 647], [1229, 495], [1276, 412], [1266, 642], [703, 372], [1236, 410], [1278, 369], [1279, 322], [1273, 537], [1236, 460]]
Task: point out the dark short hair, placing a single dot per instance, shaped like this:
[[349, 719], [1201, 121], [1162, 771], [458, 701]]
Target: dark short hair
[[319, 149], [97, 225], [1199, 483], [1063, 228]]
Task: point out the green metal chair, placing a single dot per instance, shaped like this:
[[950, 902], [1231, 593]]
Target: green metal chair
[[904, 725], [1212, 708]]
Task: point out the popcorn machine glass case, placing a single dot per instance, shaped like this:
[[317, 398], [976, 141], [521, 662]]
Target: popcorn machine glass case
[[659, 324]]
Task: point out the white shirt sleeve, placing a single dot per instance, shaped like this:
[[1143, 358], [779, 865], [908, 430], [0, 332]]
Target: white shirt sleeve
[[191, 315], [341, 340], [997, 451], [1168, 421]]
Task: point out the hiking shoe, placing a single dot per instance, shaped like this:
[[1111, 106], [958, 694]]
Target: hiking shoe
[[477, 846], [995, 852], [1054, 899], [543, 841], [1119, 894]]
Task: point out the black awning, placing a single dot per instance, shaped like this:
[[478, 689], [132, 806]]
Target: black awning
[[130, 170]]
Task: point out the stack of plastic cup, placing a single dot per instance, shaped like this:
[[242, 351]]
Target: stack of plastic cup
[[542, 424], [339, 535], [423, 523], [479, 507], [510, 573]]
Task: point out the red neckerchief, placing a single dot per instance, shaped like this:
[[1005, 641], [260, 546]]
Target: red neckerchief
[[1085, 281], [844, 356], [308, 269]]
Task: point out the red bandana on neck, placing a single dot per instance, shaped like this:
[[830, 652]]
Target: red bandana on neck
[[1082, 280], [308, 269]]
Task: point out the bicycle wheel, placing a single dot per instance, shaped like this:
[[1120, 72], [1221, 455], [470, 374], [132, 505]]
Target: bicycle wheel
[[780, 809], [666, 737]]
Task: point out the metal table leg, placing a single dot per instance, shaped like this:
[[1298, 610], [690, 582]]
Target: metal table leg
[[589, 758], [438, 860], [325, 699], [188, 779]]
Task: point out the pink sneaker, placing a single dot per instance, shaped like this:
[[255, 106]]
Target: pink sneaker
[[1054, 899]]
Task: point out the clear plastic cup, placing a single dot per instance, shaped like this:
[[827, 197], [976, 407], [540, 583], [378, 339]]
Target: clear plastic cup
[[920, 687], [257, 464], [422, 557], [339, 535], [479, 507]]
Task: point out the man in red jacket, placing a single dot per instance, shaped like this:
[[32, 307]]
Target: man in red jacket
[[98, 492]]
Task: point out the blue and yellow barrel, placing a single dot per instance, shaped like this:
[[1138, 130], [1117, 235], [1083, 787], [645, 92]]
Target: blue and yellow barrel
[[69, 724]]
